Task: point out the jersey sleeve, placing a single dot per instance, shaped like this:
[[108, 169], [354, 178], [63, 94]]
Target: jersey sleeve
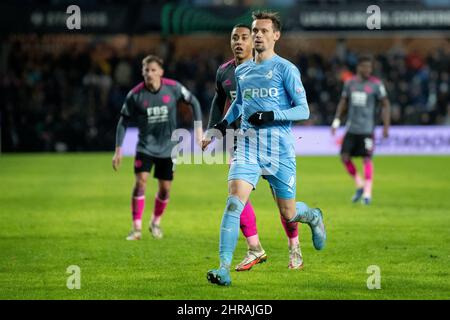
[[346, 90], [128, 107], [294, 87], [121, 130], [186, 96], [126, 114], [218, 102], [235, 110], [381, 91]]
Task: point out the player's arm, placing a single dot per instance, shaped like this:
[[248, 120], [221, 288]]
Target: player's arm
[[385, 110], [341, 110], [299, 110], [217, 104], [216, 111], [125, 118], [192, 100], [120, 136], [233, 113]]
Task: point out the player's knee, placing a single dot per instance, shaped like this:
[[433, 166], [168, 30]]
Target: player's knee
[[287, 212], [163, 193], [239, 190], [367, 160], [141, 183], [345, 157], [240, 196], [234, 206]]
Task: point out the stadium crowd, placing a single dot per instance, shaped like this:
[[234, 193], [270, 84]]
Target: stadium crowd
[[70, 101]]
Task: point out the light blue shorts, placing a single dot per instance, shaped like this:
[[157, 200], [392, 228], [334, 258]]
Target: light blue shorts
[[282, 177]]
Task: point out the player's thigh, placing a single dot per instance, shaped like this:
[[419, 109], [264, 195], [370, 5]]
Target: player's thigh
[[141, 179], [142, 166], [164, 169], [283, 179], [366, 145], [164, 184], [348, 146], [249, 172], [242, 179], [362, 145], [240, 188]]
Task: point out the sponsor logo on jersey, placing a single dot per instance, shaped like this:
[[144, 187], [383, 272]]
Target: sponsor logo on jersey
[[269, 74], [260, 93], [157, 114], [359, 98]]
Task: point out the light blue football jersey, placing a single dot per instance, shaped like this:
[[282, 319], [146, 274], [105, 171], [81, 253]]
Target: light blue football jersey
[[271, 85]]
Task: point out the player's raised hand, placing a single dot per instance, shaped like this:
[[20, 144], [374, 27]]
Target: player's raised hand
[[261, 117], [117, 159]]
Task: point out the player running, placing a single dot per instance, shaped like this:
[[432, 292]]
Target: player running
[[242, 47], [269, 96], [360, 96], [152, 105]]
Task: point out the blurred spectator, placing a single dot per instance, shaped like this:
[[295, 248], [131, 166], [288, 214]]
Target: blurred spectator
[[70, 100]]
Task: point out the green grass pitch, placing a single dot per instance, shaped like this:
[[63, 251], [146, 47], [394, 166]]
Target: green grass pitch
[[62, 210]]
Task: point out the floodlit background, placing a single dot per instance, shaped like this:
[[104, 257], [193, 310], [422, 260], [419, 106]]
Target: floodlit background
[[62, 89], [61, 204]]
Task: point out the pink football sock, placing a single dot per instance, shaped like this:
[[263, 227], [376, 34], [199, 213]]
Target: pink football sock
[[158, 211], [351, 169], [248, 221], [291, 228], [137, 208], [368, 175]]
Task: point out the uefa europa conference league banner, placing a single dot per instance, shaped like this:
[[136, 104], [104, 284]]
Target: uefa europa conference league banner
[[317, 140], [182, 19]]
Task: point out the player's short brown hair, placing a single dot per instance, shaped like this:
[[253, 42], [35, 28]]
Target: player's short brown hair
[[365, 58], [270, 15], [152, 58], [242, 25]]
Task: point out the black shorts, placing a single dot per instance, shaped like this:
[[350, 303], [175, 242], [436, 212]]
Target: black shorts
[[358, 145], [164, 167]]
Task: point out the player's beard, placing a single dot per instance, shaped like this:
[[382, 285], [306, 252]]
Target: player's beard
[[260, 49], [365, 76]]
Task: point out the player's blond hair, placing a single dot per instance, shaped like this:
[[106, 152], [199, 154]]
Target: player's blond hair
[[152, 58], [270, 15]]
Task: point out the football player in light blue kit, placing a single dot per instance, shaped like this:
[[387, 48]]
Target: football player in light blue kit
[[270, 95]]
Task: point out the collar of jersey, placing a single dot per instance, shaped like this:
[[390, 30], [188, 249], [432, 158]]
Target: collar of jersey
[[154, 92], [265, 61]]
